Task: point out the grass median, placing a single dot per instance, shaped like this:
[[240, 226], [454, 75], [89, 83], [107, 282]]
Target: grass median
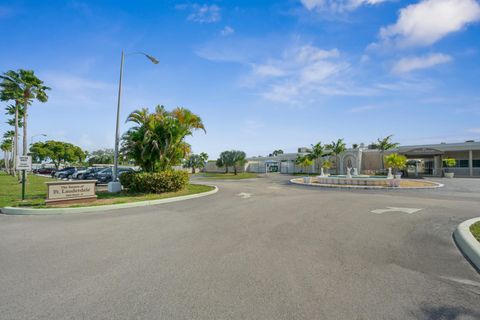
[[227, 176], [36, 190], [475, 230]]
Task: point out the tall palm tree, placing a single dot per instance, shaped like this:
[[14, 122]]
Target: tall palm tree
[[31, 89], [9, 91], [335, 148], [317, 152], [384, 144], [6, 147]]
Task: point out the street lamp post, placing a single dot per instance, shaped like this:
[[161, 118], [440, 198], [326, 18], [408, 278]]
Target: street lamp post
[[115, 186]]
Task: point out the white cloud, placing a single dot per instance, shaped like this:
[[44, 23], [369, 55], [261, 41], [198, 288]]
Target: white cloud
[[406, 65], [227, 31], [298, 73], [364, 108], [203, 13], [337, 5], [428, 21]]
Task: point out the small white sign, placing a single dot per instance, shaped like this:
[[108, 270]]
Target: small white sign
[[24, 163]]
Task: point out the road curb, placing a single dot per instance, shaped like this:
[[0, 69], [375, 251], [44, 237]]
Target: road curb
[[340, 186], [467, 243], [54, 211]]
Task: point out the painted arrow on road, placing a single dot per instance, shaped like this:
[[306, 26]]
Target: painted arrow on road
[[244, 195], [396, 209]]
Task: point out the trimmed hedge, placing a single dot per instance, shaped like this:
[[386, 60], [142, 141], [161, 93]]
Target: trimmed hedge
[[154, 182]]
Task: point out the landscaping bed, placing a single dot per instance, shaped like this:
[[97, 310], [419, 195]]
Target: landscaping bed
[[475, 230]]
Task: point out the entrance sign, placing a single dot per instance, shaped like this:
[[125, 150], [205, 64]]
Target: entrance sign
[[70, 191], [24, 163]]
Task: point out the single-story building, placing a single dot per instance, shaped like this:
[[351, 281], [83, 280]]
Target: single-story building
[[424, 160]]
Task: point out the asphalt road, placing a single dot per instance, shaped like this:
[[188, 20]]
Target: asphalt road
[[258, 249]]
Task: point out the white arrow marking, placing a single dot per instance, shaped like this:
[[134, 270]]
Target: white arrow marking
[[244, 195], [396, 209]]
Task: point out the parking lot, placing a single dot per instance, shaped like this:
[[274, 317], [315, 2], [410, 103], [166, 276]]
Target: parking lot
[[258, 249]]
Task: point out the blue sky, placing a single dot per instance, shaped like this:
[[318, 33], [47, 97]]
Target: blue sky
[[263, 74]]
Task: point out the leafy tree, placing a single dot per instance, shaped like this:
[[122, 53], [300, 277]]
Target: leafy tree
[[57, 151], [317, 152], [24, 87], [355, 145], [384, 144], [157, 141], [6, 147], [396, 161], [276, 153], [101, 156], [304, 162], [195, 161], [449, 163], [335, 149]]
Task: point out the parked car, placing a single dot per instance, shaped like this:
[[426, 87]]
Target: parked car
[[81, 174], [66, 173], [106, 175], [49, 171]]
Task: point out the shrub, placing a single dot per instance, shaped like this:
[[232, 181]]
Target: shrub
[[154, 182]]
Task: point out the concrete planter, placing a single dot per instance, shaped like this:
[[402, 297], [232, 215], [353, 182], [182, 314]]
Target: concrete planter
[[449, 175]]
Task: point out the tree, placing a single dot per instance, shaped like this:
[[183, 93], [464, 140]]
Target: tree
[[232, 158], [57, 151], [195, 161], [101, 156], [225, 159], [449, 163], [384, 144], [304, 162], [157, 141], [316, 153], [275, 153], [335, 149], [239, 159], [6, 146], [30, 88], [396, 161]]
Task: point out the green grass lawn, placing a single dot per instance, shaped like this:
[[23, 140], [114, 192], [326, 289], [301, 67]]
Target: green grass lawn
[[11, 190], [475, 229], [10, 194], [227, 176]]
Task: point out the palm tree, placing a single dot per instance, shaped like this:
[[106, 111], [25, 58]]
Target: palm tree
[[317, 152], [8, 139], [335, 149], [6, 147], [238, 159], [384, 145], [304, 162], [30, 87], [157, 140]]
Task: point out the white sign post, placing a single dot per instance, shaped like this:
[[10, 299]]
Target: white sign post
[[24, 163]]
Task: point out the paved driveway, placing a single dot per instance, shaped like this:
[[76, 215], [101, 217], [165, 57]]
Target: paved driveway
[[258, 249]]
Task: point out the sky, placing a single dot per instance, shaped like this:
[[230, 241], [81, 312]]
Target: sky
[[263, 75]]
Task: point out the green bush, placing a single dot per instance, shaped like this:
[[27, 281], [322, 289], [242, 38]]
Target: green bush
[[154, 182]]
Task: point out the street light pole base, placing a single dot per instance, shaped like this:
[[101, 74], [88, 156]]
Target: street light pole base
[[114, 187]]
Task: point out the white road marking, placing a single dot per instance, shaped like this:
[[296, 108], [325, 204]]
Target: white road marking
[[244, 195], [396, 209]]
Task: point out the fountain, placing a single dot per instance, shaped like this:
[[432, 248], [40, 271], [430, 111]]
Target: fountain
[[355, 171], [349, 175]]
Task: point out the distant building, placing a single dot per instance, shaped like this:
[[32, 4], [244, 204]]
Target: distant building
[[424, 160]]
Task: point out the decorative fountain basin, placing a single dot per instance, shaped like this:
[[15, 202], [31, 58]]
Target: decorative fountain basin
[[360, 180]]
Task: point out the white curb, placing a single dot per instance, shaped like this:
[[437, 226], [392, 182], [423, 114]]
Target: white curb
[[343, 186], [467, 242], [32, 211]]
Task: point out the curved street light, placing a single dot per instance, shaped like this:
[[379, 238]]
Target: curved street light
[[114, 186]]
